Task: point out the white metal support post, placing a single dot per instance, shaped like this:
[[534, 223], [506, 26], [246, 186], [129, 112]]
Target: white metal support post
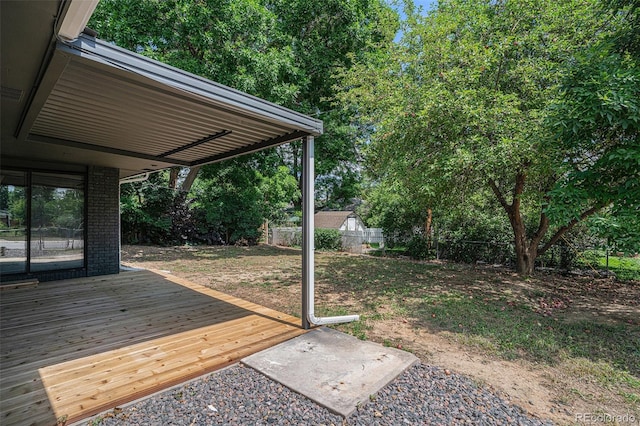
[[308, 261]]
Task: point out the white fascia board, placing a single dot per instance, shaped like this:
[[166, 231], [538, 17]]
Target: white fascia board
[[75, 19]]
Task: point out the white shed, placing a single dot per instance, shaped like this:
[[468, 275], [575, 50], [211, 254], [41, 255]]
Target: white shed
[[340, 220]]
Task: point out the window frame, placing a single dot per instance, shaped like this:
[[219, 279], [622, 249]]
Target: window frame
[[29, 197]]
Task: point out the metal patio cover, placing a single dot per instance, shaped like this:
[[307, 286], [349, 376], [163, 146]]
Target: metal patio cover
[[87, 102], [100, 104]]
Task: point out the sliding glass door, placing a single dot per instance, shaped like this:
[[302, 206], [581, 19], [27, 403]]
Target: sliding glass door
[[43, 221], [13, 222], [57, 221]]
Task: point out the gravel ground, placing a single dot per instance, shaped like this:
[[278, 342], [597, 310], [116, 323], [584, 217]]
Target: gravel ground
[[423, 395]]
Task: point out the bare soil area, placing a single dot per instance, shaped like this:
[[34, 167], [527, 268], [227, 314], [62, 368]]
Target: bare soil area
[[574, 346]]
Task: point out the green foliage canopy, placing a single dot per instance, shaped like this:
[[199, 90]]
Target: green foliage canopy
[[596, 121], [285, 51], [461, 104]]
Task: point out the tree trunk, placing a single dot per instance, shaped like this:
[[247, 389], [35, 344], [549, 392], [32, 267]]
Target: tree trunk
[[173, 177], [297, 174], [427, 227], [525, 254], [526, 251], [191, 177]]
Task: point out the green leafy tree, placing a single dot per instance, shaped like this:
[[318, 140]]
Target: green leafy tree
[[460, 106], [4, 197], [325, 36], [43, 206], [619, 231], [18, 206], [70, 210], [597, 123], [391, 208], [235, 43], [145, 210], [230, 199], [285, 51], [278, 189]]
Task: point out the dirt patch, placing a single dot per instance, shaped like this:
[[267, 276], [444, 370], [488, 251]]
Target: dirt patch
[[398, 298]]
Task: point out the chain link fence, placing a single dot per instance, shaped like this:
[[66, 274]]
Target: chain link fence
[[584, 257]]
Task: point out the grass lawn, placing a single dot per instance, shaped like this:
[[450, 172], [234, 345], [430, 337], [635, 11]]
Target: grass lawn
[[579, 336], [625, 268]]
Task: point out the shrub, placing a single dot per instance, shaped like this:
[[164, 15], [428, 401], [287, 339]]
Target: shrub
[[481, 234], [418, 247], [328, 239]]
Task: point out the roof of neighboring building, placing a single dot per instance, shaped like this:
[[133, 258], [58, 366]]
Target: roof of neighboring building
[[331, 219]]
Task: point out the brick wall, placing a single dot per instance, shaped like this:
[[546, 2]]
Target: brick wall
[[103, 221]]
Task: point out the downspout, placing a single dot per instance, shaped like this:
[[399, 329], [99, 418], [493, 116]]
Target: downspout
[[308, 261]]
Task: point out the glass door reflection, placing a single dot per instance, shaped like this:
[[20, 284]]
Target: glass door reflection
[[57, 221], [13, 222]]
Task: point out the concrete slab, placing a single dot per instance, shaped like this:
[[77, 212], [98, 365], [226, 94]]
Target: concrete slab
[[333, 369]]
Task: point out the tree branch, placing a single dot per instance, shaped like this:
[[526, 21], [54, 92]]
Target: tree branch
[[543, 226], [173, 177], [499, 195], [194, 52], [564, 229], [518, 189], [191, 177]]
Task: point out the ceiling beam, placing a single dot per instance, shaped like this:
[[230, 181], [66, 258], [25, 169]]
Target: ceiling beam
[[196, 143], [298, 134], [106, 149]]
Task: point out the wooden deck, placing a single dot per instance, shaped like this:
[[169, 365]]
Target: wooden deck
[[70, 349]]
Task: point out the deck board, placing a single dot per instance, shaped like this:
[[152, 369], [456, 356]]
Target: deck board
[[77, 347]]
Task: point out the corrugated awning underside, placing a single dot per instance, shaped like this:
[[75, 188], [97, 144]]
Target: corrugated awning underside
[[99, 97]]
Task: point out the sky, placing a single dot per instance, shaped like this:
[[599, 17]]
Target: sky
[[425, 4]]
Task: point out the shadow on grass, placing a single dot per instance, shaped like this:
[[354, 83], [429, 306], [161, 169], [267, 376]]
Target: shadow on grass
[[483, 309], [379, 276], [489, 308], [198, 253], [515, 331]]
